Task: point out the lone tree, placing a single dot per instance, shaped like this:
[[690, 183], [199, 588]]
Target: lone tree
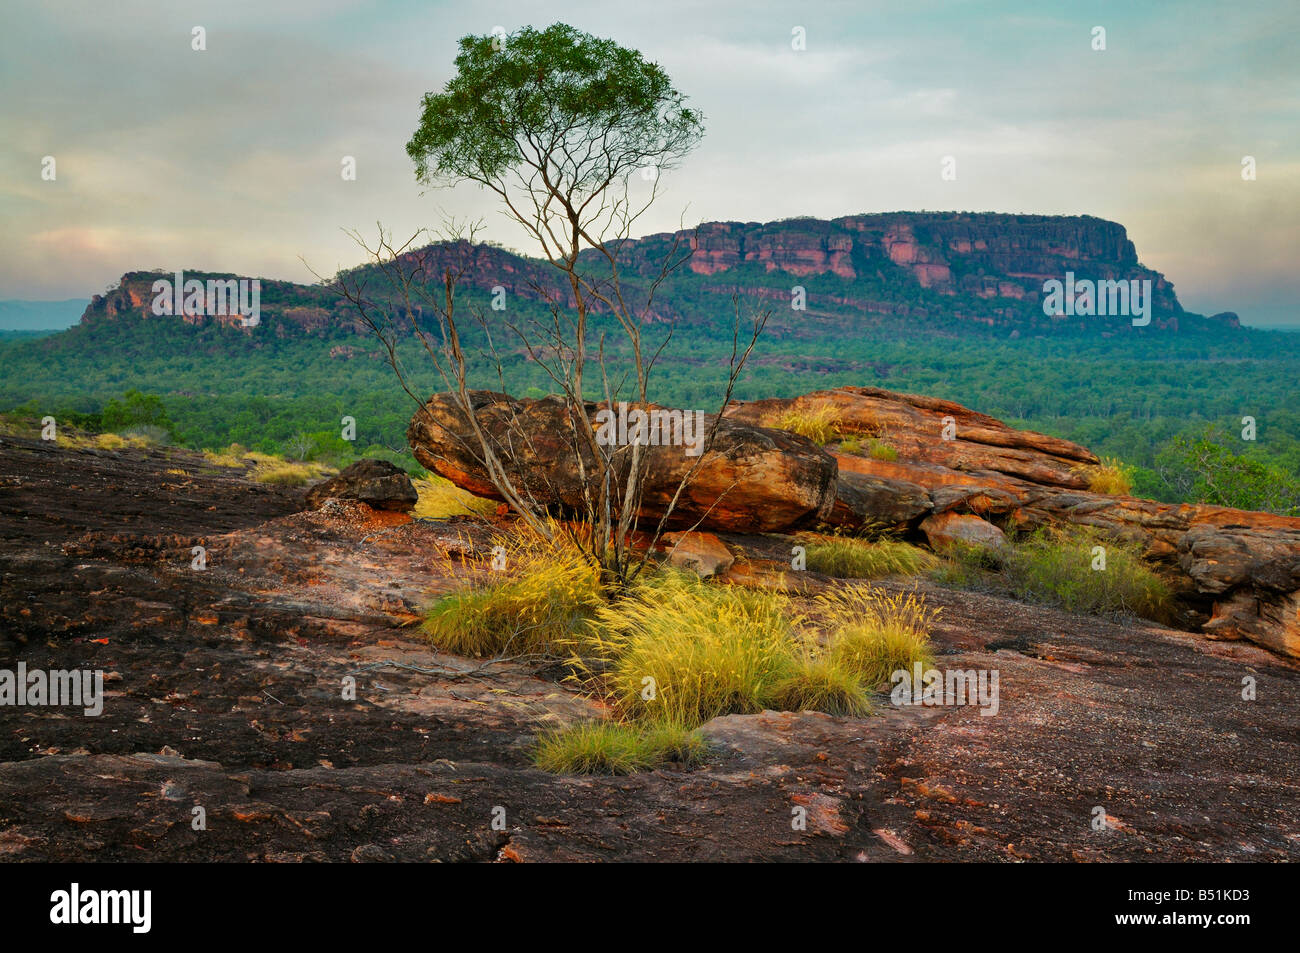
[[555, 123]]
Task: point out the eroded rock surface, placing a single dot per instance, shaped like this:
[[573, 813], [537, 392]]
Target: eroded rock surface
[[226, 691], [1238, 571], [753, 479]]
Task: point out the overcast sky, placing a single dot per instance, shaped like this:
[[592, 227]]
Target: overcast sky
[[229, 159]]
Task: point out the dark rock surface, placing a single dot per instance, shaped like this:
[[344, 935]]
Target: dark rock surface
[[224, 692]]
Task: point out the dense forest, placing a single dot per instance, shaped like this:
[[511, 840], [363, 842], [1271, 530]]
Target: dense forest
[[1167, 404]]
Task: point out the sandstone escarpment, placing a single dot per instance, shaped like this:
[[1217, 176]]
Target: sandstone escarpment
[[972, 270]]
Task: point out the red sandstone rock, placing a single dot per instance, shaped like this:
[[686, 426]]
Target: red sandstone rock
[[947, 529], [701, 553], [753, 479]]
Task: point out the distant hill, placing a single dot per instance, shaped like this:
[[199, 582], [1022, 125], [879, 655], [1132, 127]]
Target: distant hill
[[947, 273], [40, 315]]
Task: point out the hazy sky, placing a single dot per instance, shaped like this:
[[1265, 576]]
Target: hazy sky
[[229, 159]]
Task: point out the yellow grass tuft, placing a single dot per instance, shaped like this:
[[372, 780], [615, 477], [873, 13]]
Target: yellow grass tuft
[[439, 499], [849, 558], [819, 424], [1111, 477], [874, 634], [532, 605], [268, 468], [678, 650]]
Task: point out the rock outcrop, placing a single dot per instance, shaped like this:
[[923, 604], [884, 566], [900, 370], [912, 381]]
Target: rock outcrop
[[222, 689], [377, 483], [948, 473], [1239, 571], [753, 479]]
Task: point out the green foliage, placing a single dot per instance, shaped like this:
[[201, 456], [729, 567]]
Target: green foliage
[[135, 410], [1062, 569], [1204, 470], [967, 566], [1138, 399], [879, 450], [541, 93]]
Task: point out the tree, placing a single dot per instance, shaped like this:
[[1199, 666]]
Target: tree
[[135, 409], [1204, 470], [555, 123]]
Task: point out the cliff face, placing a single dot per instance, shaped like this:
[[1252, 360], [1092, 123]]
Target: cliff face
[[299, 307], [944, 271], [988, 255]]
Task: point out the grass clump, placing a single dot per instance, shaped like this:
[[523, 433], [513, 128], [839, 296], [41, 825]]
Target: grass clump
[[879, 450], [1057, 568], [267, 468], [819, 682], [967, 566], [874, 447], [849, 558], [440, 499], [872, 634], [679, 651], [533, 606], [613, 747], [283, 474], [1111, 477], [819, 424]]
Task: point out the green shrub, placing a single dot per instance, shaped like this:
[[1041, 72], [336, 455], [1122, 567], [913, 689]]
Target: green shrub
[[966, 566], [1057, 568]]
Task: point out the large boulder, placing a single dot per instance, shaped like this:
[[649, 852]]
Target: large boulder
[[753, 478], [377, 483], [945, 530]]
